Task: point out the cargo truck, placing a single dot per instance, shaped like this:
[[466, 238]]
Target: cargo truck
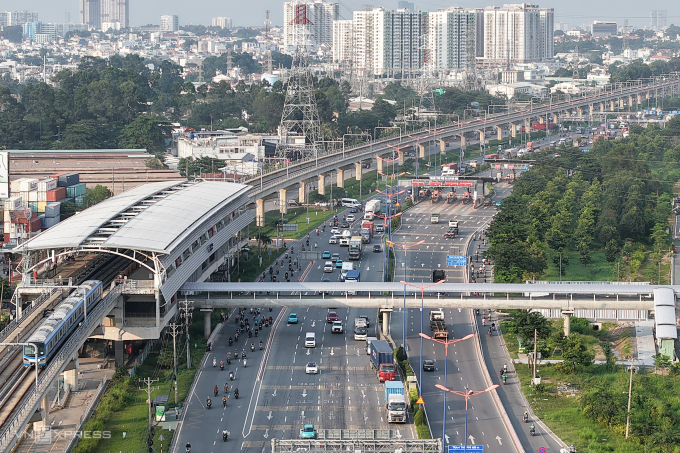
[[434, 217], [453, 225], [395, 402], [346, 267], [382, 360], [438, 325], [366, 235], [355, 248], [368, 224], [372, 208]]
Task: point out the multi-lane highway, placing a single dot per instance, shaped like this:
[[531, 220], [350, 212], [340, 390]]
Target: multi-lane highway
[[277, 397]]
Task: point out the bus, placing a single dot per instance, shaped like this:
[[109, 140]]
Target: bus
[[350, 203], [351, 277]]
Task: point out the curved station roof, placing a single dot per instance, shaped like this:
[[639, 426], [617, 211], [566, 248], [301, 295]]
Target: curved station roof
[[151, 217]]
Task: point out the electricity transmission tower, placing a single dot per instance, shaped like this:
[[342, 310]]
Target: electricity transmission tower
[[575, 75], [626, 44], [268, 45], [300, 126], [427, 79], [471, 53]]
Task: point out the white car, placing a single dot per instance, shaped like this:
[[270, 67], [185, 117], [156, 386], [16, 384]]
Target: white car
[[311, 368], [337, 327], [333, 239], [350, 218], [328, 266], [335, 230]]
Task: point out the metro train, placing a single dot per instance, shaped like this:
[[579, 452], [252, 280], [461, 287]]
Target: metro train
[[59, 325]]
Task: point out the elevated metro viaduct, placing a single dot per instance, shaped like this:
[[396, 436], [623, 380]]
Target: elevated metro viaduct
[[172, 231], [275, 182]]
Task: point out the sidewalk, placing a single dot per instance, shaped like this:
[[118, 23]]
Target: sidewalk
[[72, 415]]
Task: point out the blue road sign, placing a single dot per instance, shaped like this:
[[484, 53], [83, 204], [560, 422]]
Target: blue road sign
[[456, 260], [526, 167], [454, 448]]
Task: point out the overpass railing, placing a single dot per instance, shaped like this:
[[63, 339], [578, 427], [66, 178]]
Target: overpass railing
[[11, 432], [16, 322]]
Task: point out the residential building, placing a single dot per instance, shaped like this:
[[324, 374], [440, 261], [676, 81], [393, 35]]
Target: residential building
[[113, 11], [447, 40], [222, 22], [518, 33], [315, 27], [169, 23], [90, 13], [658, 19], [232, 147], [343, 41], [600, 29], [9, 18]]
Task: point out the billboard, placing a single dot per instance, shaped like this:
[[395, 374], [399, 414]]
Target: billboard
[[4, 174]]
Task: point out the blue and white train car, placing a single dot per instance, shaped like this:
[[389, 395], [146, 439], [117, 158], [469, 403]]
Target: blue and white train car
[[57, 327]]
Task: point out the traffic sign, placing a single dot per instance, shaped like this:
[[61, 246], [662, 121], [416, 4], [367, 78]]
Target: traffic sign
[[420, 400], [456, 260], [453, 448], [542, 450]]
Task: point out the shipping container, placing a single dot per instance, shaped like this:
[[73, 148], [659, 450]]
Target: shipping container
[[52, 209], [57, 194], [75, 190], [47, 184], [42, 220], [68, 179], [28, 184], [6, 238], [68, 200], [41, 206], [42, 196], [80, 200], [33, 196], [48, 222], [14, 185], [33, 206], [13, 203], [34, 225]]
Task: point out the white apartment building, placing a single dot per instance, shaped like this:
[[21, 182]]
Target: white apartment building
[[169, 23], [222, 22], [113, 11], [448, 33], [343, 41], [518, 33], [319, 29]]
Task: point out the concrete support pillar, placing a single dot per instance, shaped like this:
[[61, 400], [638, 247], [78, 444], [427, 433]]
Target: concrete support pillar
[[462, 140], [442, 145], [385, 323], [71, 376], [631, 100], [302, 192], [481, 136], [119, 350], [579, 111], [283, 202], [322, 184], [542, 120], [380, 165], [639, 99], [402, 154], [358, 170], [513, 130], [259, 212], [421, 152], [622, 103], [43, 425], [206, 322], [341, 178], [592, 108], [612, 106], [567, 322], [499, 133]]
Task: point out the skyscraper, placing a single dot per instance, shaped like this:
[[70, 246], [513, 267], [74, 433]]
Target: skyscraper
[[319, 29], [90, 13], [113, 11], [448, 33], [222, 22], [518, 33], [169, 23]]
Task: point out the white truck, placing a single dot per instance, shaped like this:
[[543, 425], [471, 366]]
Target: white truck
[[395, 402], [372, 208], [345, 237], [346, 267], [355, 248]]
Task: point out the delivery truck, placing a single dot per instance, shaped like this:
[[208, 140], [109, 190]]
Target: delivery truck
[[382, 360], [395, 402], [372, 208]]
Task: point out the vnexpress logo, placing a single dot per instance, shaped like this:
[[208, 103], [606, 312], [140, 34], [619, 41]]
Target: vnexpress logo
[[43, 436]]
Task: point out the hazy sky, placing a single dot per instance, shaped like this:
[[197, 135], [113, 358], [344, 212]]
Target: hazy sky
[[249, 13]]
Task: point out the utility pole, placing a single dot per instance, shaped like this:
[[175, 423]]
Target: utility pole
[[630, 393], [176, 329], [535, 350], [186, 312], [149, 389]]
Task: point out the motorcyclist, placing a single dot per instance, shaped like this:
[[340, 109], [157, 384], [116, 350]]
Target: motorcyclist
[[244, 363], [188, 447], [490, 331], [493, 326], [256, 331], [532, 429], [226, 387], [260, 345], [208, 402], [225, 435], [236, 353], [252, 347], [224, 401], [572, 449], [236, 393], [243, 353], [231, 341], [526, 416], [222, 365], [231, 375], [504, 378], [214, 362], [215, 390], [505, 367]]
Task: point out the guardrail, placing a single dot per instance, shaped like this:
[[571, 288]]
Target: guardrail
[[83, 418], [14, 425], [9, 329]]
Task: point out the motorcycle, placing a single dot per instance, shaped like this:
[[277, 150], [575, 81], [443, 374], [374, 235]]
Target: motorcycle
[[243, 354], [250, 334], [244, 363], [226, 387], [256, 332], [224, 401], [208, 347], [504, 379], [214, 362], [231, 341], [221, 365], [236, 353], [231, 375], [260, 345], [215, 390], [236, 393], [490, 333], [526, 417], [270, 309], [225, 434], [532, 431], [252, 347], [208, 403], [188, 448]]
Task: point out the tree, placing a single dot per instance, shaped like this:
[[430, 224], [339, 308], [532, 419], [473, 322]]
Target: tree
[[633, 224], [662, 362], [583, 252], [148, 132], [524, 322], [575, 353], [536, 262], [611, 250], [80, 135], [96, 195]]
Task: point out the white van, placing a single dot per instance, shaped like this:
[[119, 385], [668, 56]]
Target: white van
[[310, 340], [350, 202]]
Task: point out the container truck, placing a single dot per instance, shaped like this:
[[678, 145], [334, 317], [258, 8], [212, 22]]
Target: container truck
[[382, 360], [372, 208], [366, 235], [395, 402], [346, 267], [368, 224]]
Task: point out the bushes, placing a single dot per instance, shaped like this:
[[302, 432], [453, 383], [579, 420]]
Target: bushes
[[421, 424]]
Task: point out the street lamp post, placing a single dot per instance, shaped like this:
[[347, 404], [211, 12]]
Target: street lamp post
[[422, 288], [467, 394], [446, 344], [405, 247]]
